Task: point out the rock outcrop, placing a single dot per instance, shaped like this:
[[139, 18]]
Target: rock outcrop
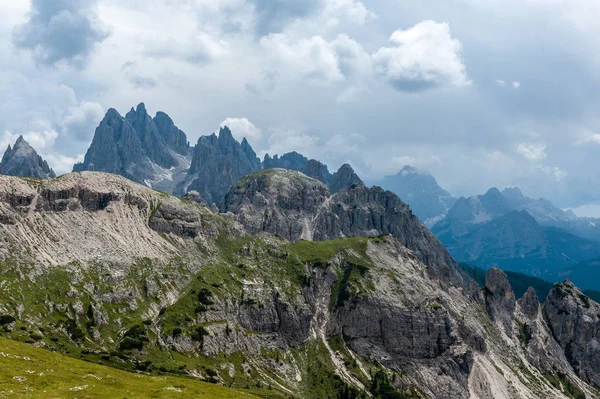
[[218, 163], [575, 323], [295, 206], [344, 178], [298, 162], [22, 160], [500, 299], [530, 304]]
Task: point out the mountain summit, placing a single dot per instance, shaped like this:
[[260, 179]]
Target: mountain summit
[[152, 151], [422, 192], [22, 160]]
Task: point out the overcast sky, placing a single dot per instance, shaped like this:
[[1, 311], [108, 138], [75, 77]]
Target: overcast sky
[[480, 93]]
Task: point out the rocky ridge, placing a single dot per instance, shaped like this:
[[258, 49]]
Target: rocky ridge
[[308, 318]]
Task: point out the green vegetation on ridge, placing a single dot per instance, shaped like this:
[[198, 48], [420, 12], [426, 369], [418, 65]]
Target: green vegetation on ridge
[[28, 372]]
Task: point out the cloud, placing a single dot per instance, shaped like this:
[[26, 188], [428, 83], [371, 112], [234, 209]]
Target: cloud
[[264, 85], [272, 16], [198, 48], [313, 58], [40, 141], [61, 164], [138, 80], [350, 10], [590, 138], [532, 151], [242, 127], [424, 56], [516, 84], [81, 120], [319, 61], [61, 30], [285, 139], [555, 172], [501, 82]]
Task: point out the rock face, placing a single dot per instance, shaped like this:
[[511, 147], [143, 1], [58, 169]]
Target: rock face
[[575, 323], [298, 162], [149, 151], [530, 304], [22, 160], [92, 261], [344, 178], [295, 206], [422, 192], [500, 299], [218, 163]]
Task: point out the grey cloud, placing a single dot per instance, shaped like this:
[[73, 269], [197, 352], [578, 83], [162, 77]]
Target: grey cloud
[[61, 30], [273, 15]]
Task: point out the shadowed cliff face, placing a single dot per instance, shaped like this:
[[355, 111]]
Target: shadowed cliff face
[[97, 265], [218, 163]]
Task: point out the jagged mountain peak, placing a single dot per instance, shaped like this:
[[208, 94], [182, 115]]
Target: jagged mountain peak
[[421, 191], [23, 160], [146, 150], [344, 178]]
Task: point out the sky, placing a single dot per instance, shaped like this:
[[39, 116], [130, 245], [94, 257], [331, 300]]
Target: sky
[[479, 93]]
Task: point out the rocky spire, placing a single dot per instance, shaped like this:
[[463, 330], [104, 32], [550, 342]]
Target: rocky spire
[[344, 178], [138, 147], [530, 304], [23, 160], [500, 299], [218, 163]]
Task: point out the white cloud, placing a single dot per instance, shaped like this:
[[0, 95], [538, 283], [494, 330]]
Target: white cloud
[[587, 210], [81, 120], [350, 10], [516, 84], [40, 141], [532, 151], [286, 139], [590, 138], [200, 47], [501, 82], [314, 58], [423, 56], [61, 164], [554, 172], [319, 61], [242, 127]]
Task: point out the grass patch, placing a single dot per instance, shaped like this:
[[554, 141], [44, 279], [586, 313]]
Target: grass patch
[[28, 372]]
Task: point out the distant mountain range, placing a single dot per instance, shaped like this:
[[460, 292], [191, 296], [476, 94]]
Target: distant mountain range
[[508, 230], [502, 229], [422, 192]]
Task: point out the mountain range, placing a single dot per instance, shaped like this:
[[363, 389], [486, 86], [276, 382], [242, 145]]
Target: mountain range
[[154, 152], [427, 199], [502, 229], [287, 290]]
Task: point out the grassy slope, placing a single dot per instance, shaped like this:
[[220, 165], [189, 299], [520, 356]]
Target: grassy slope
[[51, 375]]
